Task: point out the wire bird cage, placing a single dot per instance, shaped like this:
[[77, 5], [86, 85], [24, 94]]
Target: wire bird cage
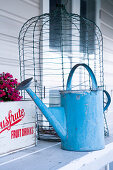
[[49, 46]]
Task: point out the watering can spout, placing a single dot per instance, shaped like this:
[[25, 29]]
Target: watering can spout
[[55, 115]]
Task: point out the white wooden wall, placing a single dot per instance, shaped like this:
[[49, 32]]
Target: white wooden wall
[[106, 26], [13, 14]]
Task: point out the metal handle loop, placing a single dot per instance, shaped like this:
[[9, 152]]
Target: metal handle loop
[[109, 100], [94, 82]]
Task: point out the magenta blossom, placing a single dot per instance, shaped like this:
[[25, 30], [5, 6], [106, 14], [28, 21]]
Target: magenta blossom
[[8, 86]]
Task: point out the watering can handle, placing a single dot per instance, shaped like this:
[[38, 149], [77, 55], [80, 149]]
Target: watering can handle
[[109, 100], [94, 82]]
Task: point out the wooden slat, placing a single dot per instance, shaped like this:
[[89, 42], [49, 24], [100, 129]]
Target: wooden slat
[[13, 14], [93, 160], [19, 8], [108, 32], [107, 6], [107, 18]]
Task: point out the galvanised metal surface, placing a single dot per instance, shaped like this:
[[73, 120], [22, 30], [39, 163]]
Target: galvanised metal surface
[[84, 120], [79, 121], [84, 116]]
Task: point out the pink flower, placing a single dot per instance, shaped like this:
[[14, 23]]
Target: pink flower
[[15, 81], [7, 88], [1, 100], [7, 74], [12, 83], [1, 95], [1, 78], [5, 77]]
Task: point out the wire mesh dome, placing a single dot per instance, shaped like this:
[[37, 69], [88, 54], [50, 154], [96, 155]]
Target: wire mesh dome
[[49, 46]]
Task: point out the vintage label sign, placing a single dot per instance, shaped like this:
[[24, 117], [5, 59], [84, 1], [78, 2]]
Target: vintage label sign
[[17, 125], [11, 119]]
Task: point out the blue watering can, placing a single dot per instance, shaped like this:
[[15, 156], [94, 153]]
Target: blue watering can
[[79, 121]]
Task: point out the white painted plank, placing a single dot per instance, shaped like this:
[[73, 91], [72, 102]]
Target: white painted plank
[[107, 46], [19, 8], [107, 6], [106, 18], [108, 32], [13, 14], [9, 27], [93, 160], [9, 59], [108, 67]]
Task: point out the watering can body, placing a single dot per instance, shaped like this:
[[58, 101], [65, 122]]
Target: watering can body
[[84, 120], [84, 115], [79, 121]]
